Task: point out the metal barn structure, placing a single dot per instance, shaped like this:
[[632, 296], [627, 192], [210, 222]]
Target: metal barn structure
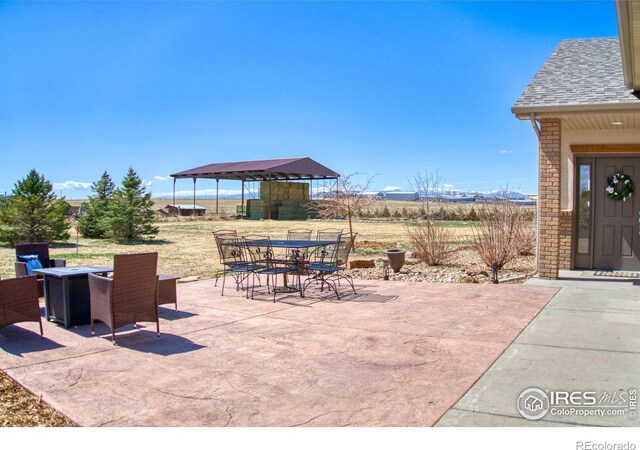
[[284, 169]]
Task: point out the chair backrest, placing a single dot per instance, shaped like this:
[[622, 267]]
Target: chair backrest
[[19, 300], [326, 254], [259, 249], [224, 236], [342, 251], [230, 248], [39, 248], [219, 232], [299, 234], [329, 234], [134, 282]]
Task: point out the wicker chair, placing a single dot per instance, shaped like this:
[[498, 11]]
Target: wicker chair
[[42, 250], [19, 301], [330, 269], [129, 297]]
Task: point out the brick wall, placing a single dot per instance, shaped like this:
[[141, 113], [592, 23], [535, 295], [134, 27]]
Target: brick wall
[[549, 197], [566, 234]]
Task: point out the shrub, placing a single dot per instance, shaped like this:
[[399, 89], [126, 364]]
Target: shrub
[[431, 240], [33, 213], [499, 232]]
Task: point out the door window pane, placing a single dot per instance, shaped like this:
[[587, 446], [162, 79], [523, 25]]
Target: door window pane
[[584, 208]]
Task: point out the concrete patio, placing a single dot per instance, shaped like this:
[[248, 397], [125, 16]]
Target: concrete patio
[[396, 354], [585, 339]]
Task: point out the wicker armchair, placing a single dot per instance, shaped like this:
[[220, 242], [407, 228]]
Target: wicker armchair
[[129, 297], [42, 250], [19, 301]]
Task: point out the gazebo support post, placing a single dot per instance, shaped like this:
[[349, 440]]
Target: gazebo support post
[[217, 182], [194, 197], [242, 202], [269, 196], [174, 192]]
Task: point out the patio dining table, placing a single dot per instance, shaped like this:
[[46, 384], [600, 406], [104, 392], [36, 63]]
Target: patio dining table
[[294, 245]]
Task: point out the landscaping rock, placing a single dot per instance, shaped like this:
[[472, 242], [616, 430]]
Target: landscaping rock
[[362, 264]]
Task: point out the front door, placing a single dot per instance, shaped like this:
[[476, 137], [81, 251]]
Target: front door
[[616, 242]]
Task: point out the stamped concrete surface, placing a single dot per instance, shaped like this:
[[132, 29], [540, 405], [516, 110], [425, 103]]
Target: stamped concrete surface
[[585, 339], [395, 354]]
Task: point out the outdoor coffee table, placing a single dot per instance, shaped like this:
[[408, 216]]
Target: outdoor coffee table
[[66, 293]]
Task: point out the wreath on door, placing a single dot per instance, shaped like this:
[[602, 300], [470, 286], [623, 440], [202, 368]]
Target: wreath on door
[[619, 187]]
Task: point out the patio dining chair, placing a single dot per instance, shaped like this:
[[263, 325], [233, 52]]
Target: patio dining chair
[[263, 262], [326, 252], [19, 301], [131, 296], [216, 234], [35, 256], [234, 260], [330, 268]]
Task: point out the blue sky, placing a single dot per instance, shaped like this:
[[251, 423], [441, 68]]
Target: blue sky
[[385, 89]]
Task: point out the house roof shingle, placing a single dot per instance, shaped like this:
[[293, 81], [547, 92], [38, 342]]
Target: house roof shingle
[[579, 73]]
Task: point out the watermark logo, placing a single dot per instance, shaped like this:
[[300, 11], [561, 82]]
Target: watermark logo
[[534, 403]]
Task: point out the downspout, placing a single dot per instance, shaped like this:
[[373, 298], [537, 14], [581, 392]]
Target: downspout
[[536, 128]]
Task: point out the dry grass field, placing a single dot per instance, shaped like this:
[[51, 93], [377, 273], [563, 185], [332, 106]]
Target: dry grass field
[[187, 248]]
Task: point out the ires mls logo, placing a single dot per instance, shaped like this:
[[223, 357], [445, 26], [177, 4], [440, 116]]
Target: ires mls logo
[[534, 403]]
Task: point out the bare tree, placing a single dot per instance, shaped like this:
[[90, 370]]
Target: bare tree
[[344, 202], [427, 183]]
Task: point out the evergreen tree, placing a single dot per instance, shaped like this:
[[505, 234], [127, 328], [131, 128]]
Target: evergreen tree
[[130, 213], [33, 213], [93, 223]]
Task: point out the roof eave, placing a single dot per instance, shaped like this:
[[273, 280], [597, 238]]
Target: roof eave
[[524, 112], [625, 32]]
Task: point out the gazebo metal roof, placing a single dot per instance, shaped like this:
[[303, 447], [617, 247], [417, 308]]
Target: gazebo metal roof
[[303, 168]]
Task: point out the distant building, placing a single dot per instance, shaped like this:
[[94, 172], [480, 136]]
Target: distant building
[[185, 210], [402, 196]]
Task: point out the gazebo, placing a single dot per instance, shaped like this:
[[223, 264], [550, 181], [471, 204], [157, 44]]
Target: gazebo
[[287, 169]]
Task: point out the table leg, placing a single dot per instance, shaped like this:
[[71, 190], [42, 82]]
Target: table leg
[[45, 282]]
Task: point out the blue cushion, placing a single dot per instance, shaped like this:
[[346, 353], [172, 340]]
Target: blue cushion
[[31, 261]]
